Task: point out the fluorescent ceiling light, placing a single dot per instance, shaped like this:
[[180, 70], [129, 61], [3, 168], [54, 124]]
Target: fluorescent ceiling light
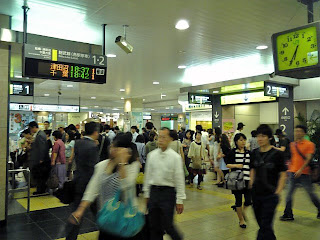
[[122, 98], [93, 97], [143, 100], [96, 106], [111, 55], [167, 107], [215, 92], [152, 109], [182, 25], [262, 47], [18, 76], [156, 83], [122, 90], [46, 94], [84, 107], [182, 67], [69, 86], [115, 109]]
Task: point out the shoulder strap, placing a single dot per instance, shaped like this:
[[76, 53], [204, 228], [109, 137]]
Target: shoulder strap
[[300, 153], [102, 143], [266, 156]]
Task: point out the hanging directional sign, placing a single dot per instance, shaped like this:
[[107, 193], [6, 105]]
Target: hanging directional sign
[[58, 64], [21, 88], [286, 114], [216, 111], [276, 90], [198, 98]]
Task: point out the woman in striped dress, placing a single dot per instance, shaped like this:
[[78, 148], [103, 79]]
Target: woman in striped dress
[[239, 159]]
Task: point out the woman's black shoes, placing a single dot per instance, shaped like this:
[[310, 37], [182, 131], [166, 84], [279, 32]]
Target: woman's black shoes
[[243, 225]]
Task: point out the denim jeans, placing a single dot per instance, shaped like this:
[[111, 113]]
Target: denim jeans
[[305, 181]]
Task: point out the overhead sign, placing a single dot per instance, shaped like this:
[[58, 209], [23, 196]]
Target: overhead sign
[[216, 111], [146, 117], [169, 117], [242, 87], [21, 88], [275, 90], [286, 114], [197, 98], [195, 107], [43, 108], [58, 64], [246, 98]]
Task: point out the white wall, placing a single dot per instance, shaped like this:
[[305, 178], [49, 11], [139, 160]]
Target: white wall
[[269, 113], [199, 116], [308, 89], [249, 115]]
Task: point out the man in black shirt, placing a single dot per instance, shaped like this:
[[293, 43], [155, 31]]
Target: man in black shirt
[[268, 177]]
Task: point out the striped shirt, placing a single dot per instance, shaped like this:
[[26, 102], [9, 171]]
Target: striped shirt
[[243, 158]]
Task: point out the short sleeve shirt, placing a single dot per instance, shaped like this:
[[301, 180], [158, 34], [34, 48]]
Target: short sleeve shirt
[[305, 147], [60, 149]]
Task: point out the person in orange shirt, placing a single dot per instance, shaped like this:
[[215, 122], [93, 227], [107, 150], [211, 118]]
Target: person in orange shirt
[[302, 152]]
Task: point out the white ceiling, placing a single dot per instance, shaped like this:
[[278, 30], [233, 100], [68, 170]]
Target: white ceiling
[[219, 45]]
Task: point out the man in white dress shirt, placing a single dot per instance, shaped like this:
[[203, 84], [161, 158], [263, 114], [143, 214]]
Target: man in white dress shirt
[[164, 188], [134, 133]]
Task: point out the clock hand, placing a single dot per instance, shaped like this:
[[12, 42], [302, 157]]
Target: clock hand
[[294, 56]]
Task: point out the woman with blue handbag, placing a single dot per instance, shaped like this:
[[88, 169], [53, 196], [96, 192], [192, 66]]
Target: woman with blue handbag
[[113, 183]]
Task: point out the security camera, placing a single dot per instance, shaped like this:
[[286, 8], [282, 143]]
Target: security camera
[[124, 44]]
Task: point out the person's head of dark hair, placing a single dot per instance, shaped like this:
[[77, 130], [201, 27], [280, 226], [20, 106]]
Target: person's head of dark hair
[[183, 129], [210, 131], [196, 133], [144, 130], [48, 132], [134, 127], [152, 135], [264, 129], [279, 132], [72, 127], [174, 135], [140, 139], [138, 130], [254, 133], [304, 128], [107, 127], [72, 136], [25, 132], [149, 125], [33, 124], [101, 128], [240, 126], [117, 128], [129, 134], [125, 141], [91, 127], [239, 136], [57, 134], [47, 122], [189, 131], [199, 128], [225, 141], [218, 133]]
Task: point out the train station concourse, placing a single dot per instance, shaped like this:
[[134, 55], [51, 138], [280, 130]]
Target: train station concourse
[[159, 120]]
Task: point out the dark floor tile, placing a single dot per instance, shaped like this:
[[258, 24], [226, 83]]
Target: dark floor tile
[[19, 218], [62, 212], [50, 223], [35, 234], [19, 227], [55, 232], [87, 223], [42, 216], [87, 230]]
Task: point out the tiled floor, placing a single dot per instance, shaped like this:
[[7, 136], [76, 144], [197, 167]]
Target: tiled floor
[[207, 216]]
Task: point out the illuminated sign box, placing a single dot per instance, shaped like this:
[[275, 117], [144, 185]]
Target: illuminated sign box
[[254, 97], [242, 87], [50, 63], [146, 117], [21, 88], [275, 90], [199, 98], [43, 108]]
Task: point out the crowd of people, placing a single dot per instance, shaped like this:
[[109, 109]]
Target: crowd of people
[[103, 161]]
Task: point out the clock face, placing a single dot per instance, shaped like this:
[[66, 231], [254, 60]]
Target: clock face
[[297, 49]]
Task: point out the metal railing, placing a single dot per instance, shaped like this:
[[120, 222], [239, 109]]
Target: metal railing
[[23, 189]]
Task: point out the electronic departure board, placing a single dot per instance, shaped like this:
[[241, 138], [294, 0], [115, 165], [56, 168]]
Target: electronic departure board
[[49, 63]]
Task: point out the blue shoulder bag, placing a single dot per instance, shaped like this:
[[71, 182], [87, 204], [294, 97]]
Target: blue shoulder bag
[[119, 218]]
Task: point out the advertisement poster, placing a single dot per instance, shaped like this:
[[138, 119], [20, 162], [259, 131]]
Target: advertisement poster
[[137, 119], [228, 125]]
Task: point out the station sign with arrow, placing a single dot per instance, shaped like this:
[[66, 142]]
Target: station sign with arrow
[[286, 114], [216, 111]]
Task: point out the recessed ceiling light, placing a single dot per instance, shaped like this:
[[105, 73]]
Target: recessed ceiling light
[[262, 47], [122, 90], [156, 83], [18, 76], [96, 106], [46, 94], [152, 109], [215, 92], [93, 97], [167, 107], [69, 86], [84, 107], [182, 25], [111, 55], [182, 66], [122, 98], [143, 100], [115, 109]]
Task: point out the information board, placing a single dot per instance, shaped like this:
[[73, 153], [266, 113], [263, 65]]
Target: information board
[[275, 90], [42, 107], [21, 88], [50, 63], [196, 98]]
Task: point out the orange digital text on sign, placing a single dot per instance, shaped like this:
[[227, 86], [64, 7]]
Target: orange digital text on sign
[[55, 68]]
